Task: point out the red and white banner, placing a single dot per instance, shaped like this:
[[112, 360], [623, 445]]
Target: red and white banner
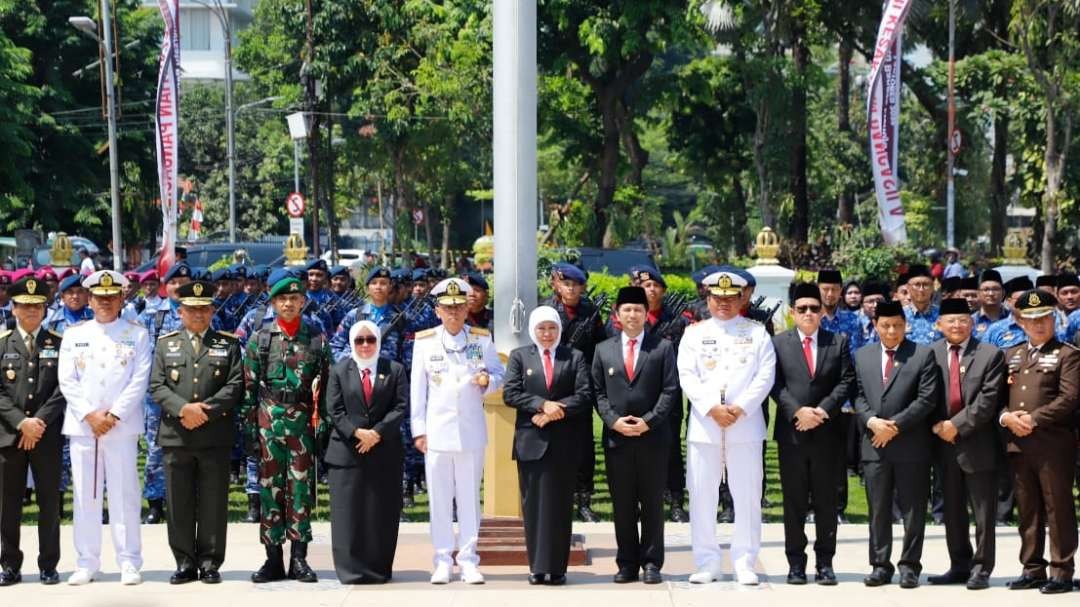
[[196, 221], [883, 111], [167, 120]]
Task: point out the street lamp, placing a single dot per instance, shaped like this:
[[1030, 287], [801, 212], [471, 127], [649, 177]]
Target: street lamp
[[87, 26]]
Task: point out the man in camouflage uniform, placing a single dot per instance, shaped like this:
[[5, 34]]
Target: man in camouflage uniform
[[159, 320], [284, 365], [582, 329]]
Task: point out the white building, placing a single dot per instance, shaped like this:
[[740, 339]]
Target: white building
[[202, 39]]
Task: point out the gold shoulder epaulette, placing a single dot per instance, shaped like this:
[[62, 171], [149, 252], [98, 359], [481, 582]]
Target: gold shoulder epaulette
[[5, 333], [227, 334], [425, 333], [169, 334], [478, 331], [54, 333]]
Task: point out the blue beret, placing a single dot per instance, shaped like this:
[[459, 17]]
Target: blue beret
[[400, 275], [71, 281], [377, 272], [419, 274], [339, 271], [567, 271], [280, 274], [643, 273], [476, 279], [202, 274], [221, 274], [747, 276], [700, 275], [239, 270], [179, 270], [296, 272], [258, 273], [317, 264]]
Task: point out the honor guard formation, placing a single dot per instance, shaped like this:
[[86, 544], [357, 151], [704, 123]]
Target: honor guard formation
[[953, 396]]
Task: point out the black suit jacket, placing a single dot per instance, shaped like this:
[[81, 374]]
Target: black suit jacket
[[833, 384], [982, 383], [651, 395], [349, 411], [910, 398], [28, 386], [525, 389]]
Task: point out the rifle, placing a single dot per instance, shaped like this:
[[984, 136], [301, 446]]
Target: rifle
[[677, 304], [580, 330], [417, 306]]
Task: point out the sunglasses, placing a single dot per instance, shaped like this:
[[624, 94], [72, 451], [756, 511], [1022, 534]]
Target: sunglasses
[[805, 309], [370, 340]]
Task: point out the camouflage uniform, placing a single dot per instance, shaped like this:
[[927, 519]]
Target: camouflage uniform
[[277, 410], [921, 326], [983, 322], [846, 322], [226, 315], [1005, 333]]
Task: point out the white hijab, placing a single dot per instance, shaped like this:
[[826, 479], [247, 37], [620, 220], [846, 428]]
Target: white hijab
[[364, 363], [540, 315]]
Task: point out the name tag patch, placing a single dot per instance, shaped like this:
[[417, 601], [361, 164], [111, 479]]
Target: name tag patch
[[8, 355], [49, 354], [219, 352]]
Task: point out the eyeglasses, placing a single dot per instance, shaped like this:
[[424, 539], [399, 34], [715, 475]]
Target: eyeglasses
[[370, 340], [920, 285], [805, 309]]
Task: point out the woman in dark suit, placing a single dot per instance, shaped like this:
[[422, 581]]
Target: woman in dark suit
[[547, 384], [366, 398]]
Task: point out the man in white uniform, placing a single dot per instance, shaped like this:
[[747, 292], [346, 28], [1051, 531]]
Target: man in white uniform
[[726, 368], [104, 371], [454, 366]]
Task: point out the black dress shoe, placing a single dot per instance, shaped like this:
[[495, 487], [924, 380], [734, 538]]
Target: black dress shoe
[[979, 580], [535, 579], [557, 579], [878, 577], [209, 576], [1056, 587], [909, 579], [50, 577], [625, 576], [796, 576], [183, 576], [678, 514], [1026, 582], [727, 515], [9, 577], [652, 575], [825, 576], [951, 576]]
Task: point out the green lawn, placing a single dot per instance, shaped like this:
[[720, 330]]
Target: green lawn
[[856, 511]]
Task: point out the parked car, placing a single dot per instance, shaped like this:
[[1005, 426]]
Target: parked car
[[612, 261], [204, 255]]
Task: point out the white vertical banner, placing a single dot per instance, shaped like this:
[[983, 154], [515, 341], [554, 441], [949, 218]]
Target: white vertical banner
[[167, 120], [883, 112]]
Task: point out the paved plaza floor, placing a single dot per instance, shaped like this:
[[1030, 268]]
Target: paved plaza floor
[[507, 587]]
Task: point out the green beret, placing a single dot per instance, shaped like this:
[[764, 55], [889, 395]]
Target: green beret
[[286, 285]]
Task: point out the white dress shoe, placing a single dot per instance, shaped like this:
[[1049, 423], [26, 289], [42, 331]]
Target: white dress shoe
[[470, 574], [746, 576], [81, 577], [707, 574], [130, 576], [441, 574]]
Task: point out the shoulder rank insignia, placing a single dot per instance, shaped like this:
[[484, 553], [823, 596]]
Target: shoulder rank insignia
[[55, 334], [478, 331], [169, 334], [5, 333], [424, 333], [227, 334]]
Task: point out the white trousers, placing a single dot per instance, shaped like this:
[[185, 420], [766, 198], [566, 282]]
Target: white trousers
[[116, 466], [704, 462], [454, 476]]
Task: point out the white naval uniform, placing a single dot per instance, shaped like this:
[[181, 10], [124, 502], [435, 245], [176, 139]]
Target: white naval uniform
[[448, 409], [106, 367], [733, 358]]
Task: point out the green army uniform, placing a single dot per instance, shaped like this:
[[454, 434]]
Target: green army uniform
[[189, 368], [281, 373]]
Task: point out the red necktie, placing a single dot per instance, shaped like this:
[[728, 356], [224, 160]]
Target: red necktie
[[891, 354], [956, 402], [549, 369], [365, 378], [808, 353], [630, 359]]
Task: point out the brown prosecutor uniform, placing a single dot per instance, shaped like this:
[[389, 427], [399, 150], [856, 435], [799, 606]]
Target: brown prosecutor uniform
[[1044, 382]]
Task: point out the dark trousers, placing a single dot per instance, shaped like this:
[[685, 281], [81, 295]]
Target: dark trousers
[[45, 462], [806, 478], [1044, 499], [910, 482], [636, 472], [365, 510], [586, 454], [959, 489], [547, 503], [676, 471], [197, 488]]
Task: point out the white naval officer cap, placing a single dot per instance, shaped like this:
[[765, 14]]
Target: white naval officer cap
[[105, 282], [450, 292], [724, 284]]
